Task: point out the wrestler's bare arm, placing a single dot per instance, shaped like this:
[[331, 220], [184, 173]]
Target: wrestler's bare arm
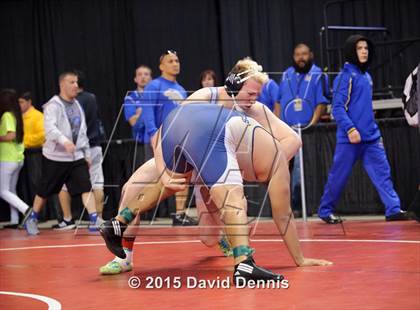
[[289, 140]]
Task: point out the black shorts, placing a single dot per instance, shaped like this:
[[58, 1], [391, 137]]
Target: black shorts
[[75, 174]]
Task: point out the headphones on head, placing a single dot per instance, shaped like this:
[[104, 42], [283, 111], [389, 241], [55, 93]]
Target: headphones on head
[[234, 82]]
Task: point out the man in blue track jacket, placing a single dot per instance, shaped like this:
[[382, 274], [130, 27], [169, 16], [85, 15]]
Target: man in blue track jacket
[[358, 135]]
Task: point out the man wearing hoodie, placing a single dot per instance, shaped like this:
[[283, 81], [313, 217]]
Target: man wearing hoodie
[[66, 152], [358, 135]]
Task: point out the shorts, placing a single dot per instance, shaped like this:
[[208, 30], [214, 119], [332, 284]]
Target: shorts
[[75, 174], [95, 170]]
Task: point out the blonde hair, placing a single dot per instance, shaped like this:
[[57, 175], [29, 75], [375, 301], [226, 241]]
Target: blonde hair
[[252, 68]]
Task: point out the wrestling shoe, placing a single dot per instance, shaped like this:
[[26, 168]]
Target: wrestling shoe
[[247, 270], [181, 219], [64, 225], [114, 267], [224, 246], [112, 232]]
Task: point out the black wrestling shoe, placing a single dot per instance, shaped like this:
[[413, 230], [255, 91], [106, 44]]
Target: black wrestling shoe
[[112, 232], [181, 219], [399, 216], [332, 219], [248, 270]]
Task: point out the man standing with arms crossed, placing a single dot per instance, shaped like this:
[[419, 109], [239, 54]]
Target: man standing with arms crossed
[[161, 96]]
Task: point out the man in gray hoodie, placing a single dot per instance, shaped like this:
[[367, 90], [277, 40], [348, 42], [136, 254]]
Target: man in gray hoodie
[[65, 153]]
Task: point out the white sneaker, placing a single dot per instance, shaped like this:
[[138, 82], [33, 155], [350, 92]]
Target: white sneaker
[[64, 225]]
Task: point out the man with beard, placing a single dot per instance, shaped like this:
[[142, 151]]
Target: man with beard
[[358, 135], [303, 84]]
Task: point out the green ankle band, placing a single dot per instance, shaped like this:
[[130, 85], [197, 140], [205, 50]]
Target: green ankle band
[[127, 215], [243, 250]]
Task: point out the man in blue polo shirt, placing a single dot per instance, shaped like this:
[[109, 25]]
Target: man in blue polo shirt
[[358, 135], [303, 82], [132, 114], [161, 96]]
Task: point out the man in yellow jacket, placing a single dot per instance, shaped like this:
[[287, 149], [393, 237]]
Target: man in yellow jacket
[[33, 139], [33, 123]]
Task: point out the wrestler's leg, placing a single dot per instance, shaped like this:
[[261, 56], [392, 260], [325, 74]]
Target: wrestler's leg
[[209, 220], [210, 224], [147, 198], [272, 166], [146, 174], [230, 201]]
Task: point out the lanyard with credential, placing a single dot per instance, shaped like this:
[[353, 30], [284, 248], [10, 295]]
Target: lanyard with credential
[[296, 95], [297, 99]]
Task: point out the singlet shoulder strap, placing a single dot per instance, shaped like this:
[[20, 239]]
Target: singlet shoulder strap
[[214, 95]]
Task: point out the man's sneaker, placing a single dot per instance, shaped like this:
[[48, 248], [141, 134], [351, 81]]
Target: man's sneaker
[[332, 219], [95, 227], [182, 219], [112, 232], [224, 246], [248, 270], [399, 216], [64, 225], [114, 267], [92, 227], [31, 226]]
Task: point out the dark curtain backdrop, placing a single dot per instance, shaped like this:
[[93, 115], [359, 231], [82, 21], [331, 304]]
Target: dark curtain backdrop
[[107, 39]]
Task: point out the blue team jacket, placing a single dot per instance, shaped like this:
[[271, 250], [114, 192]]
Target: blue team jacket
[[352, 104]]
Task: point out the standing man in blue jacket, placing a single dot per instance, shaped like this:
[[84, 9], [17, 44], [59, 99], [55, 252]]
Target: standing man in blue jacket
[[303, 83], [161, 96], [358, 135]]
